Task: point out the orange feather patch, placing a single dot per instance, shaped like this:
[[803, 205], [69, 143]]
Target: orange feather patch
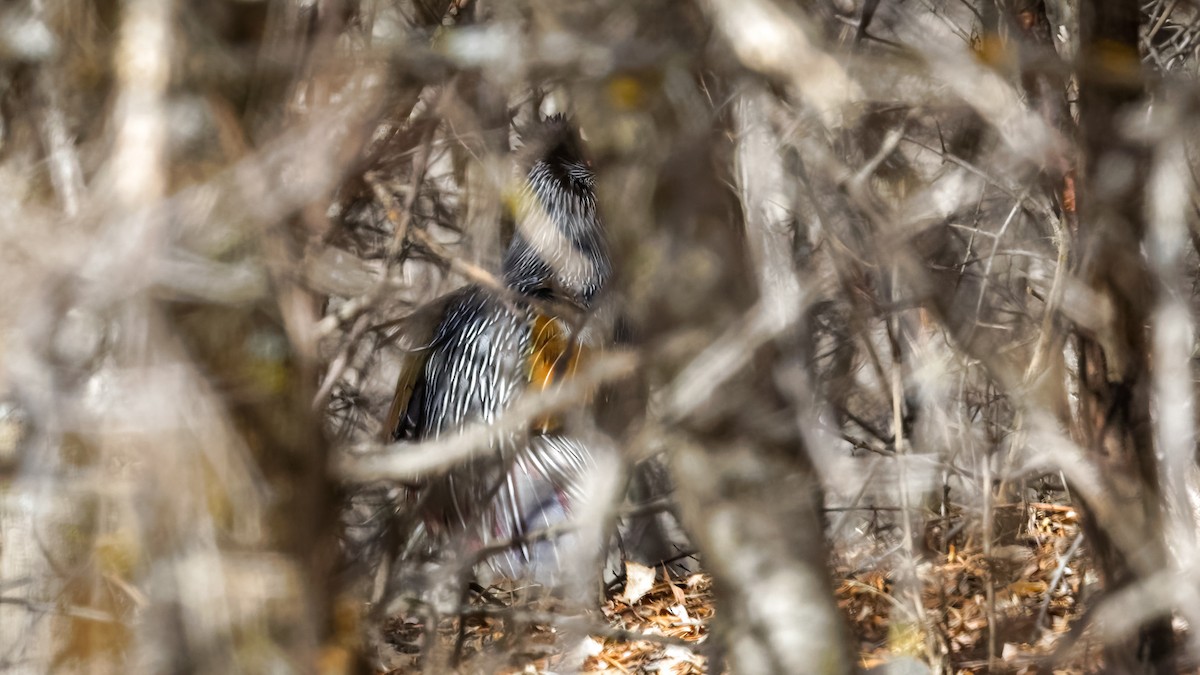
[[553, 357]]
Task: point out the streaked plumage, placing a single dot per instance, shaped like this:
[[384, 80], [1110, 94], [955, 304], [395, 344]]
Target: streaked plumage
[[488, 349], [559, 239]]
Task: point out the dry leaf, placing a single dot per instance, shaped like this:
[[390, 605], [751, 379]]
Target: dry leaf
[[592, 646], [680, 612], [676, 591], [639, 579], [1027, 588]]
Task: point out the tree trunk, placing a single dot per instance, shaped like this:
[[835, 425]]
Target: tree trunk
[[1114, 368]]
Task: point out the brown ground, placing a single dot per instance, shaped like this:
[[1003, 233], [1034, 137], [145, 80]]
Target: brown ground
[[963, 592]]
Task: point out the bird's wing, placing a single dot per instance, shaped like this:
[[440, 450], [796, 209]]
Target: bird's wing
[[420, 328], [400, 424]]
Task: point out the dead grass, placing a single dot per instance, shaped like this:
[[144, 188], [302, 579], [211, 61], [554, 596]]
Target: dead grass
[[1032, 618]]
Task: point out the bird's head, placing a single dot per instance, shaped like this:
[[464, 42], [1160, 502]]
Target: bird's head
[[559, 247]]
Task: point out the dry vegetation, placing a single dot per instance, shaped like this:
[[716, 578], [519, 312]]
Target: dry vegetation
[[904, 378]]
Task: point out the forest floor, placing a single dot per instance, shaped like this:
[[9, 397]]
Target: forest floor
[[1023, 598]]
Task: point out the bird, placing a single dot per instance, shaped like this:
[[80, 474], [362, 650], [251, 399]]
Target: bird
[[491, 345]]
